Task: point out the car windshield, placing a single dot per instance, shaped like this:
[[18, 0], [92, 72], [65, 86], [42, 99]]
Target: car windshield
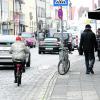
[[58, 35], [50, 40], [26, 35]]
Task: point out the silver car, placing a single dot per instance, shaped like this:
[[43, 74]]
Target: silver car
[[5, 45]]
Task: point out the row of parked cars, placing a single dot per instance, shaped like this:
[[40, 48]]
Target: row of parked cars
[[53, 44]]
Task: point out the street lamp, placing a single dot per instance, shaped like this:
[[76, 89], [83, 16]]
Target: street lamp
[[70, 7]]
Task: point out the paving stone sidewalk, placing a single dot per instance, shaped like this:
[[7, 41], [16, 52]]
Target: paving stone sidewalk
[[75, 85]]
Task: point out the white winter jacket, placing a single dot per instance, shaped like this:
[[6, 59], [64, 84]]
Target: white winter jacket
[[19, 51]]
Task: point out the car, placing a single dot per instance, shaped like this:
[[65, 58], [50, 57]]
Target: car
[[67, 39], [5, 44], [29, 39], [50, 44]]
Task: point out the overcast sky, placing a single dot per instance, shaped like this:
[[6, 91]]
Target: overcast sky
[[84, 3]]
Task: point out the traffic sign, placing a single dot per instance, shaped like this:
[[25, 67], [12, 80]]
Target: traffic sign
[[60, 13], [60, 2]]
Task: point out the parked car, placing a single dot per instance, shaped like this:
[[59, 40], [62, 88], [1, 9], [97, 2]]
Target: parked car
[[5, 44], [50, 44], [29, 39], [67, 39]]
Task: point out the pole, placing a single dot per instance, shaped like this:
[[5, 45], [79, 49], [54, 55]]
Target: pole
[[36, 15], [62, 39], [45, 13], [20, 17], [61, 19], [1, 17], [14, 15], [37, 30]]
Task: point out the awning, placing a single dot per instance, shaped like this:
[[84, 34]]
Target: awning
[[94, 14]]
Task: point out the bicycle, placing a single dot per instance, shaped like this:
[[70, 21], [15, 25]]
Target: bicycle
[[19, 72], [64, 62]]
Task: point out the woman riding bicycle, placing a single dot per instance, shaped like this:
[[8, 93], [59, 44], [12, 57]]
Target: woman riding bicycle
[[18, 51]]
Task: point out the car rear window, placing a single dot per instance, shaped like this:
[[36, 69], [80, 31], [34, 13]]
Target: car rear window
[[26, 35], [50, 39], [58, 35], [40, 35]]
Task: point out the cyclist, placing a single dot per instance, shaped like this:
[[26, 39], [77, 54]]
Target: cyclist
[[18, 51]]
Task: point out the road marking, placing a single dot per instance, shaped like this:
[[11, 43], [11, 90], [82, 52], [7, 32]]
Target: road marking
[[44, 67]]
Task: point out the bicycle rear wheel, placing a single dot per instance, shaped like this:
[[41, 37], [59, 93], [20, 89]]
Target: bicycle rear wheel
[[19, 75], [19, 78], [61, 69]]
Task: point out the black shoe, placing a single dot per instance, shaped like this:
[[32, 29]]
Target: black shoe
[[15, 81], [87, 72], [19, 82], [92, 72]]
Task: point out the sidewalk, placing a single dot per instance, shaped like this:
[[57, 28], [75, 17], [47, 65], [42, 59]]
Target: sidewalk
[[75, 85]]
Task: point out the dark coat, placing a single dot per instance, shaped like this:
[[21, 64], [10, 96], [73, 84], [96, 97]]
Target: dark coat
[[88, 41], [98, 41]]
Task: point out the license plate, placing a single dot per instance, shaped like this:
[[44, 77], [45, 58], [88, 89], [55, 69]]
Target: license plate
[[49, 48]]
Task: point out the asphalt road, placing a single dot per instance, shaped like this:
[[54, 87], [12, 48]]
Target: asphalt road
[[36, 78]]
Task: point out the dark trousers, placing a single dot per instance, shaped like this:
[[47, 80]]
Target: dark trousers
[[89, 60], [98, 54], [69, 47], [15, 68]]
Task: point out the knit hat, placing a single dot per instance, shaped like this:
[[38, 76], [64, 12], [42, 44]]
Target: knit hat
[[88, 26], [18, 38]]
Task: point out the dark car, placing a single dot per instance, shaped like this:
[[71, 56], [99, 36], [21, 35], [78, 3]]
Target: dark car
[[67, 39], [50, 44]]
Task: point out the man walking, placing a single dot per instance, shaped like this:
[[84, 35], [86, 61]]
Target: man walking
[[88, 44], [98, 43]]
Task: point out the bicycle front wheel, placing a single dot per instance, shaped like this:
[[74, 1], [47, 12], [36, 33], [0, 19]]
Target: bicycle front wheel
[[61, 69]]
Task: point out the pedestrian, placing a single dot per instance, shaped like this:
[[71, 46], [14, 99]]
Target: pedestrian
[[98, 43], [88, 45], [70, 48]]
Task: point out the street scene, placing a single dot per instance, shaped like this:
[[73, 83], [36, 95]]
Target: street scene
[[42, 82], [49, 50]]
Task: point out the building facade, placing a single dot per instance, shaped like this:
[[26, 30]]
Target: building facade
[[11, 16]]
